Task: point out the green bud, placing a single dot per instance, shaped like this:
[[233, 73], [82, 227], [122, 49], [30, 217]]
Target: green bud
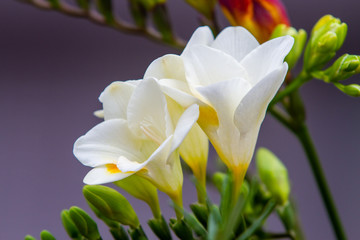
[[111, 204], [218, 179], [84, 223], [150, 4], [160, 228], [201, 212], [351, 90], [46, 235], [105, 9], [84, 4], [181, 229], [205, 7], [54, 4], [29, 237], [69, 225], [299, 42], [142, 189], [327, 37], [137, 233], [162, 22], [273, 174], [138, 12], [343, 68]]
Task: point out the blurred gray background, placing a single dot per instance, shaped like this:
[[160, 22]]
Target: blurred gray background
[[52, 70]]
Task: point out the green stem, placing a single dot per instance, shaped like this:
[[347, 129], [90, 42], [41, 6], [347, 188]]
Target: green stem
[[258, 222], [294, 85], [304, 136]]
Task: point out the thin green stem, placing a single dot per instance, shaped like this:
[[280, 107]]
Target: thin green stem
[[258, 222], [294, 85], [304, 136], [281, 117]]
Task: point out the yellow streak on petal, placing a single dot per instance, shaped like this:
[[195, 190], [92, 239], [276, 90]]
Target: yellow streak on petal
[[112, 168], [208, 116]]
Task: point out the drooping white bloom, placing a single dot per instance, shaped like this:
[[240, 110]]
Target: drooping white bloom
[[233, 79], [137, 137]]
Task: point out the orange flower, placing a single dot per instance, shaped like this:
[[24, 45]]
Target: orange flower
[[260, 17]]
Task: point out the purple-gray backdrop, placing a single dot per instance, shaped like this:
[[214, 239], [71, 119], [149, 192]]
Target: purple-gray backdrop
[[53, 68]]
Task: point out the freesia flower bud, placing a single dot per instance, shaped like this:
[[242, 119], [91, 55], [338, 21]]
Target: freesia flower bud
[[343, 68], [273, 174], [46, 235], [260, 17], [205, 7], [29, 237], [84, 223], [299, 42], [69, 225], [351, 89], [111, 204], [327, 37], [141, 189]]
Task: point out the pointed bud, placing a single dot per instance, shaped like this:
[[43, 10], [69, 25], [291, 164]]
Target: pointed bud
[[260, 17], [343, 68], [351, 90], [327, 37], [105, 9], [46, 235], [84, 4], [162, 22], [142, 189], [299, 43], [29, 237], [205, 7], [160, 228], [111, 204], [273, 174], [218, 179], [138, 12], [69, 225], [84, 223]]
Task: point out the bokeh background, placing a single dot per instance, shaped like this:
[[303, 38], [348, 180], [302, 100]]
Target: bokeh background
[[52, 70]]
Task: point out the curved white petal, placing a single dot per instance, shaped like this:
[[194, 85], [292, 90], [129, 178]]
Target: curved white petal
[[235, 41], [225, 96], [104, 143], [101, 175], [168, 66], [251, 110], [115, 99], [147, 112], [267, 57], [201, 36], [159, 155], [185, 123], [205, 66], [99, 113]]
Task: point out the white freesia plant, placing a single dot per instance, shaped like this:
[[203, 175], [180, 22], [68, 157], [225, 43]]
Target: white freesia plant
[[233, 79], [137, 137]]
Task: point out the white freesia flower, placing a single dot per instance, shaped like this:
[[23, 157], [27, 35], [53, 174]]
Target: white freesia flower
[[233, 79], [137, 137]]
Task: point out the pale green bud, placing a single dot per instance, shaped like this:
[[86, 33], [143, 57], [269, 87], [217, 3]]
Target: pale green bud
[[327, 37], [343, 68], [273, 174], [111, 204], [29, 237], [205, 7], [46, 235], [84, 223], [299, 42], [351, 90], [69, 225], [218, 179]]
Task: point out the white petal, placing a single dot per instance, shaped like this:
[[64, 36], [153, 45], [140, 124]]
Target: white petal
[[185, 123], [168, 66], [205, 66], [235, 41], [251, 110], [147, 112], [160, 154], [101, 175], [115, 99], [266, 58], [201, 36], [225, 96], [99, 113], [104, 143]]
